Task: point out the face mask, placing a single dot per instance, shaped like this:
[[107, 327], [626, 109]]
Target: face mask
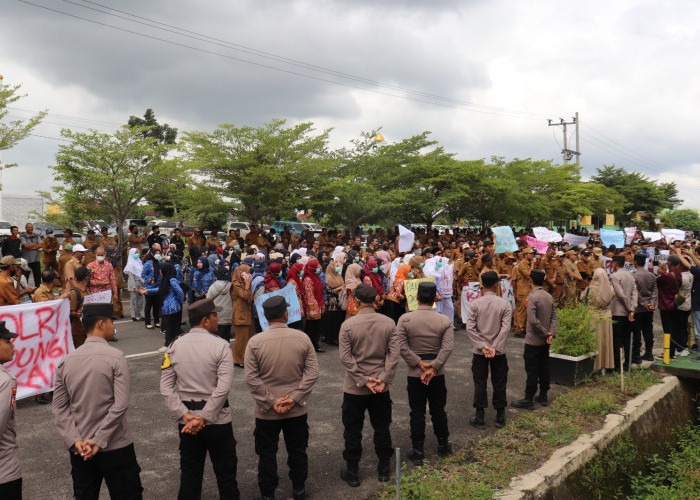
[[167, 257], [357, 259], [381, 268], [410, 275], [279, 274], [318, 270], [136, 256], [375, 270], [337, 270], [158, 257], [439, 264], [421, 265], [237, 247], [301, 273], [100, 258]]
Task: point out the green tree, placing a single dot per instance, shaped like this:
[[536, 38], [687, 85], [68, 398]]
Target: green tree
[[683, 218], [115, 172], [12, 132], [265, 171], [150, 127]]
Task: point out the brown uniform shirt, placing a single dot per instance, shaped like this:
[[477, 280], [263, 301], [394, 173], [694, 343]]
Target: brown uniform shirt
[[195, 241], [198, 366], [65, 242], [91, 396], [49, 249], [135, 241], [488, 323], [280, 362], [521, 275], [43, 294], [9, 455], [69, 273], [9, 293], [541, 317], [425, 334], [65, 257], [369, 347], [107, 241], [468, 273]]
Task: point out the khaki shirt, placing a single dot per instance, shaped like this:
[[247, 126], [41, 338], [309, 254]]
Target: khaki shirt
[[488, 323], [9, 293], [107, 241], [49, 248], [135, 241], [425, 332], [521, 275], [43, 294], [69, 273], [369, 347], [62, 261], [91, 396], [65, 242], [541, 317], [198, 366], [9, 455], [280, 362]]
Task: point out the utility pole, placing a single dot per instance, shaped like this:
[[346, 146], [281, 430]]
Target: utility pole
[[567, 153]]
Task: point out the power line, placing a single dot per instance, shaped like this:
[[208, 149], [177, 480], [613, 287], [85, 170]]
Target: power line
[[68, 117], [622, 147], [52, 138]]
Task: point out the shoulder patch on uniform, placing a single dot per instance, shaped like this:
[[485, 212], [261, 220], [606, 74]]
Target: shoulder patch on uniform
[[166, 361]]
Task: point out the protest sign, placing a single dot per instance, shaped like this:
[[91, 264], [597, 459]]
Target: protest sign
[[98, 298], [504, 239], [445, 289], [607, 265], [611, 237], [574, 240], [544, 234], [539, 245], [507, 291], [673, 234], [44, 340], [290, 295], [406, 239], [652, 236], [410, 291], [630, 233], [470, 292]]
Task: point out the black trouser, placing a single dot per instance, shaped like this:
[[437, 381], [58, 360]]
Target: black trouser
[[622, 331], [119, 469], [435, 394], [170, 324], [218, 440], [11, 490], [679, 336], [224, 331], [313, 330], [332, 320], [152, 303], [296, 440], [393, 310], [499, 379], [379, 408], [537, 369], [643, 327], [35, 270], [297, 325]]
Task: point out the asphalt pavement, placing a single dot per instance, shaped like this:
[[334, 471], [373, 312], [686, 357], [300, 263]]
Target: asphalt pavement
[[46, 467]]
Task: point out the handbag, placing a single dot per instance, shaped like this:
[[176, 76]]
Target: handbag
[[343, 299]]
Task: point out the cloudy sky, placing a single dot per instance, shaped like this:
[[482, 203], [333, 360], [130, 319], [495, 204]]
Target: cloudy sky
[[483, 76]]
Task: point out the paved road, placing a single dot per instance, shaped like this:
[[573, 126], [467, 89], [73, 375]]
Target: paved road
[[46, 464]]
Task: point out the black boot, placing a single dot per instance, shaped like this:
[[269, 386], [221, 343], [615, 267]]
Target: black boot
[[299, 494], [500, 418], [542, 399], [525, 403], [349, 474], [416, 454], [444, 448], [383, 471], [478, 419]]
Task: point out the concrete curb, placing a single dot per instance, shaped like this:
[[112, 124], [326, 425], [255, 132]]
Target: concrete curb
[[567, 460]]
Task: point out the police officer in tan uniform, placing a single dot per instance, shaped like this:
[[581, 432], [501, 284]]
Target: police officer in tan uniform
[[91, 397], [10, 471], [281, 370], [426, 340], [369, 351], [195, 381]]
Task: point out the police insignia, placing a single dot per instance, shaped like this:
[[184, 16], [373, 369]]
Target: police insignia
[[166, 362]]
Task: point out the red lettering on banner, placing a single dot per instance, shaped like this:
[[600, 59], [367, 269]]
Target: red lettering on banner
[[44, 320], [17, 320]]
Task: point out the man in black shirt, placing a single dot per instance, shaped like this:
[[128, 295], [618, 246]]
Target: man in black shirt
[[155, 237], [11, 244], [179, 243]]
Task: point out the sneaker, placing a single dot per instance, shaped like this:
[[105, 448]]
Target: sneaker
[[478, 420], [684, 352], [648, 357], [696, 359], [163, 349], [522, 403]]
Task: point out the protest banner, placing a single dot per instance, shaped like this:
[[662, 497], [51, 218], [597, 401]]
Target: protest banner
[[673, 234], [44, 340], [290, 295], [629, 266], [507, 291], [406, 239], [544, 234], [504, 239], [538, 245], [470, 292], [98, 298], [445, 289], [410, 291], [652, 236], [611, 237], [630, 233], [574, 240]]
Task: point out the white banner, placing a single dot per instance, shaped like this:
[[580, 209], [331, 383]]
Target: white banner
[[507, 291], [629, 266], [406, 239], [446, 283], [544, 234], [652, 236], [99, 298], [471, 291], [673, 234], [574, 240], [44, 340], [630, 233]]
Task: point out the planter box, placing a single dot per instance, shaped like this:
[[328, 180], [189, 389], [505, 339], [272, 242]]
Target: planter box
[[570, 370]]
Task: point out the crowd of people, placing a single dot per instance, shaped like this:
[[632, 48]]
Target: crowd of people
[[353, 292]]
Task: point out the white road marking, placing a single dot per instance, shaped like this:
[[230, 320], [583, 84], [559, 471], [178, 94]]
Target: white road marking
[[142, 354]]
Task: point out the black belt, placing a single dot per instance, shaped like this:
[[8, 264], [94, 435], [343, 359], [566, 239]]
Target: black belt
[[199, 405], [427, 357]]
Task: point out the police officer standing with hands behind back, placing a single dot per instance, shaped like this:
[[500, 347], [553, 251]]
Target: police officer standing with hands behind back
[[10, 471], [195, 381], [426, 340]]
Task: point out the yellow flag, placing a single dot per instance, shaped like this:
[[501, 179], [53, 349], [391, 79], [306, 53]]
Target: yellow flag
[[379, 138], [166, 362]]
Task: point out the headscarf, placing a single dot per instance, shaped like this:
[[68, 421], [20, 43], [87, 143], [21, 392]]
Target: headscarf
[[272, 278], [384, 255], [336, 253], [294, 258], [600, 287], [238, 273], [293, 275], [333, 279], [259, 268], [133, 265], [352, 276], [375, 278], [167, 271], [205, 264], [414, 263], [223, 274], [310, 274], [152, 257], [402, 273], [195, 252]]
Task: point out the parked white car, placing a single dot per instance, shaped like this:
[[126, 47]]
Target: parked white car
[[244, 227], [5, 228]]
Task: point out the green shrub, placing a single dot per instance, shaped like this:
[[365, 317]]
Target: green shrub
[[576, 331]]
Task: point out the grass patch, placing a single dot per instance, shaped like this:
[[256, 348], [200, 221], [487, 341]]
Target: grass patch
[[483, 467]]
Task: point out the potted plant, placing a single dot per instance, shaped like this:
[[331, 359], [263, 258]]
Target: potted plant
[[573, 350]]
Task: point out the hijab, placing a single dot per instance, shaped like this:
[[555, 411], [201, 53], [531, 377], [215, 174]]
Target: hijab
[[402, 272], [374, 278], [199, 273], [223, 274], [352, 276], [133, 265], [259, 268], [167, 271], [414, 263], [310, 274], [195, 252], [293, 275], [152, 257], [601, 288], [238, 273], [272, 279], [334, 279]]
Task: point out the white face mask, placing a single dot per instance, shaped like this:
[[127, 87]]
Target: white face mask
[[100, 258]]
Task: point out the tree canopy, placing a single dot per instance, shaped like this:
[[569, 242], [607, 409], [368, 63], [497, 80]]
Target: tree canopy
[[12, 132]]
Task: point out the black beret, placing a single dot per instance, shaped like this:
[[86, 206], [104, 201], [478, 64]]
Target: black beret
[[427, 287], [5, 333], [365, 293], [275, 306], [203, 307], [489, 279], [99, 310]]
